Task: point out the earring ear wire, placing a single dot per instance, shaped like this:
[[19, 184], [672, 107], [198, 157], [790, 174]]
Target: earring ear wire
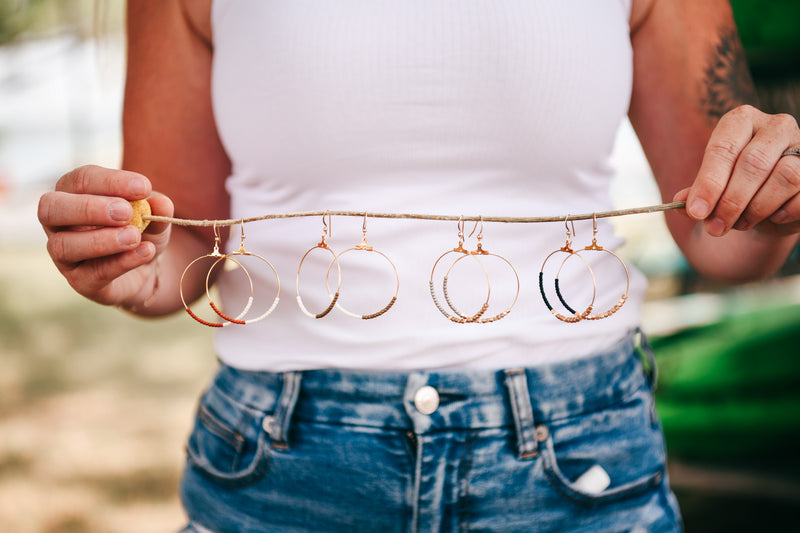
[[365, 247], [594, 247], [480, 251], [219, 257], [567, 248], [460, 319], [243, 252]]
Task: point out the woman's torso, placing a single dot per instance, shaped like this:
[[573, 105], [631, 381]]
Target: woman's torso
[[454, 108]]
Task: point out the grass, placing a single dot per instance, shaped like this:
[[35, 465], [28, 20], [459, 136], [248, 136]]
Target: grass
[[728, 391]]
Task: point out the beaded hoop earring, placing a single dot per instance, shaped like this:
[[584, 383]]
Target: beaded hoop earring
[[323, 244], [219, 256], [460, 319], [479, 251], [567, 248], [243, 252], [363, 246], [595, 247]]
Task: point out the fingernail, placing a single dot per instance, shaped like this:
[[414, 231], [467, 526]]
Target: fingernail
[[120, 211], [716, 227], [145, 250], [137, 187], [741, 225], [128, 236], [699, 208], [779, 217]]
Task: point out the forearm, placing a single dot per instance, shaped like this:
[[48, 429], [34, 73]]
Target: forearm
[[710, 149], [169, 135], [738, 256]]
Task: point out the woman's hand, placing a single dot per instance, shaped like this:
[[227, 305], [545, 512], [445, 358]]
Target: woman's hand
[[90, 239], [745, 182]]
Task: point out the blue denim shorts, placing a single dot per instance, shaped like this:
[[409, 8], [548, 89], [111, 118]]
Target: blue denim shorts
[[330, 451]]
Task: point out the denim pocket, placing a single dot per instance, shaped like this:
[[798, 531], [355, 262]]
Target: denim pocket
[[623, 440], [227, 443]]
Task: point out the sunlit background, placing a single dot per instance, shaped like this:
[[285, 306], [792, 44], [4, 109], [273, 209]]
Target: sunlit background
[[95, 405]]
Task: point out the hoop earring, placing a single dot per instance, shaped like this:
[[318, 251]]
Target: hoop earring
[[323, 244], [219, 256], [243, 252], [460, 319], [595, 247], [567, 248], [479, 251], [363, 246]]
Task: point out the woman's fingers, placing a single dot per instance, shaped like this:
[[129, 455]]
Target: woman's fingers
[[743, 179], [73, 244], [67, 247], [722, 151], [95, 180], [90, 238], [92, 196], [160, 205], [753, 171], [777, 201], [62, 209], [101, 279]]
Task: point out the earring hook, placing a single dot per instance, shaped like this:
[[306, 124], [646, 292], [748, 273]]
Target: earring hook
[[241, 242], [480, 233], [594, 245], [364, 245], [327, 228], [217, 240], [568, 244], [479, 249], [567, 223], [460, 247]]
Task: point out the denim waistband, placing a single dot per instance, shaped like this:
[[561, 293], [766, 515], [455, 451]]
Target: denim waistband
[[521, 397]]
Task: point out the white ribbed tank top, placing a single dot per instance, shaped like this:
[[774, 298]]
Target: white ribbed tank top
[[469, 107]]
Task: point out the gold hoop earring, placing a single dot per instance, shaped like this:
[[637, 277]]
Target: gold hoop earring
[[243, 252], [219, 256], [567, 248], [596, 248], [460, 319], [479, 251], [363, 246], [323, 244]]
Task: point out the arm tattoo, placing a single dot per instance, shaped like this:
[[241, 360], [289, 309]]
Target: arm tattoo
[[727, 82]]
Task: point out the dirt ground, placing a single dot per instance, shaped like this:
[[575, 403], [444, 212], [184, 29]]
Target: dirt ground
[[94, 407]]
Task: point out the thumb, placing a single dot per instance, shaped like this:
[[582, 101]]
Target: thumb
[[681, 196]]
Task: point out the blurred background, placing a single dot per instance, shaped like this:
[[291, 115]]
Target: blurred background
[[95, 405]]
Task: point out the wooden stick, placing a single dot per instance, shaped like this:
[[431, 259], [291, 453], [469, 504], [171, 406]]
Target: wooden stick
[[513, 220]]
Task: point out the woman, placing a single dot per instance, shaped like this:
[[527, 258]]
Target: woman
[[411, 422]]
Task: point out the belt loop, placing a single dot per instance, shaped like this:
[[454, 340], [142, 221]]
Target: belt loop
[[517, 383], [277, 426], [642, 347]]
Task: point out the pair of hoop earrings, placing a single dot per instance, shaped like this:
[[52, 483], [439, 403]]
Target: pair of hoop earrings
[[586, 314], [221, 258], [457, 316], [334, 295]]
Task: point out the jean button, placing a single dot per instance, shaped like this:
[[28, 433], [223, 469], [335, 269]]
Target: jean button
[[426, 400]]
